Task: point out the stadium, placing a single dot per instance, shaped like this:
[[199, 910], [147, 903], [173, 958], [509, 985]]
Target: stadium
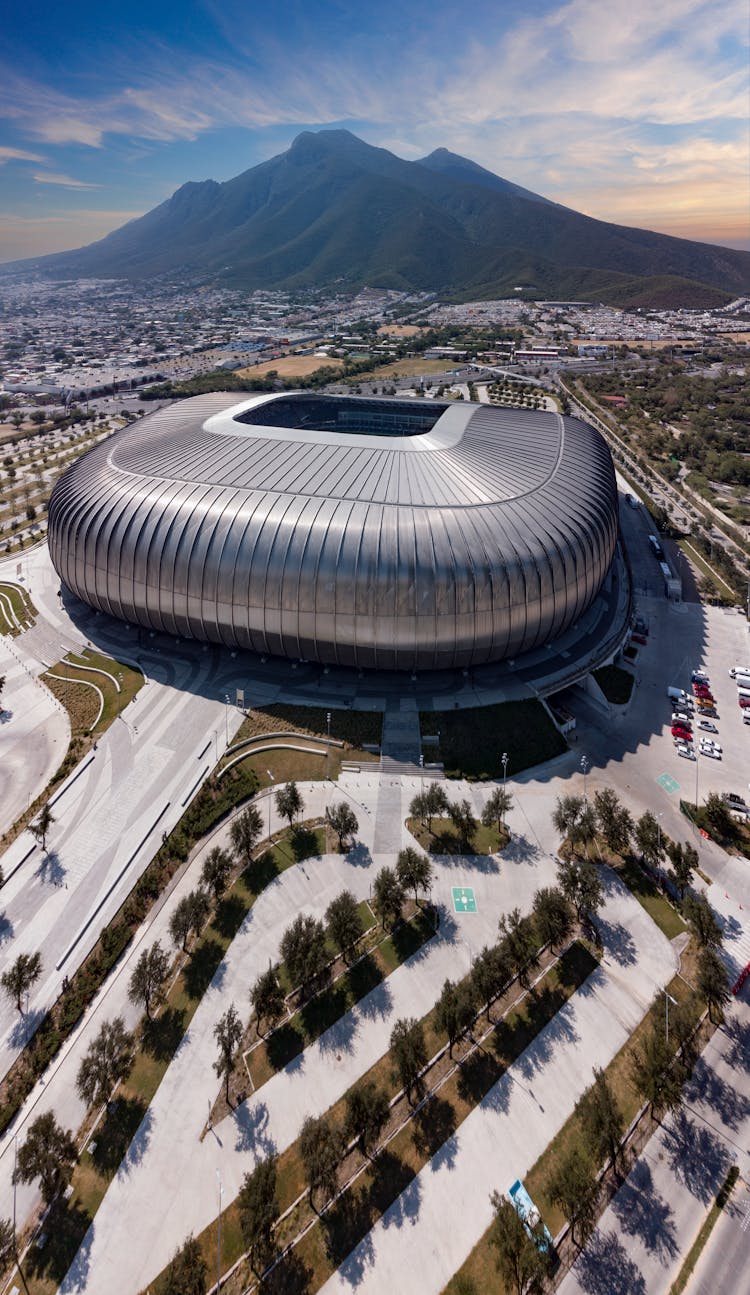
[[370, 533]]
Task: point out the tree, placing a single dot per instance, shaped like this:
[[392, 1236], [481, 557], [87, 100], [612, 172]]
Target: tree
[[581, 884], [462, 817], [245, 832], [187, 1272], [20, 976], [648, 839], [455, 1011], [304, 949], [267, 997], [602, 1121], [496, 808], [217, 867], [414, 871], [702, 919], [583, 831], [7, 1240], [367, 1112], [712, 982], [320, 1148], [228, 1035], [573, 1187], [655, 1071], [490, 974], [47, 1154], [717, 815], [615, 822], [388, 895], [343, 921], [519, 942], [567, 811], [258, 1206], [429, 804], [149, 975], [409, 1054], [520, 1261], [289, 802], [553, 916], [684, 860], [106, 1062], [343, 821], [188, 917], [42, 826]]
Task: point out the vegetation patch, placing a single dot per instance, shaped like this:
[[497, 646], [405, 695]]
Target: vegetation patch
[[472, 741], [698, 1245], [445, 837], [650, 897]]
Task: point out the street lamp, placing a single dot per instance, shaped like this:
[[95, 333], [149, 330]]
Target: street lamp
[[667, 1000], [268, 771], [504, 762], [585, 766], [328, 745], [658, 832], [226, 718]]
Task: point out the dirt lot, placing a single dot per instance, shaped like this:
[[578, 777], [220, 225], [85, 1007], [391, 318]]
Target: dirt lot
[[399, 330], [289, 366]]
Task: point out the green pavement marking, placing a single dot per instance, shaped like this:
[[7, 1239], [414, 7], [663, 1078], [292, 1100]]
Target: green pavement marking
[[669, 783], [463, 899]]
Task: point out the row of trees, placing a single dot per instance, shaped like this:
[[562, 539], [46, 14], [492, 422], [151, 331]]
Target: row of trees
[[433, 802]]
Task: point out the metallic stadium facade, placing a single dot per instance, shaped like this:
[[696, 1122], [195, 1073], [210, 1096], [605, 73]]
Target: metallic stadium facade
[[396, 535]]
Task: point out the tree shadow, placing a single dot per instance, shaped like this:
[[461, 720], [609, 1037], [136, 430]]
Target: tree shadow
[[390, 1177], [251, 1125], [476, 1076], [51, 869], [65, 1228], [359, 855], [6, 928], [202, 966], [697, 1157], [25, 1027], [346, 1226], [738, 1053], [521, 850], [229, 916], [406, 1206], [605, 1268], [115, 1134], [642, 1212], [5, 716], [724, 1100], [304, 843], [163, 1034], [433, 1124], [618, 942], [291, 1276], [377, 1003], [282, 1046], [261, 872]]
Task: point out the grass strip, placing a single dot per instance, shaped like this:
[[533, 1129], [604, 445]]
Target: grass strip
[[696, 1249], [615, 683], [409, 1146], [650, 897], [472, 741]]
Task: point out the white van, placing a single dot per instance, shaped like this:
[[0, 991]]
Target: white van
[[677, 694], [739, 669]]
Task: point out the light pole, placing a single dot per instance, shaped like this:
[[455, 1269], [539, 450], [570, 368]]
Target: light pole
[[504, 762], [585, 766], [328, 745], [658, 832], [218, 1235], [268, 771], [226, 718], [667, 1000], [696, 782]]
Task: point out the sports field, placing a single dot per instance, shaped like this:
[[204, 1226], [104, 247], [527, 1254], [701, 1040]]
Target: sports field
[[289, 366]]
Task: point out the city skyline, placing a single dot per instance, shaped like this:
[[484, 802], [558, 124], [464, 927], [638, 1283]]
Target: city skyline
[[636, 117]]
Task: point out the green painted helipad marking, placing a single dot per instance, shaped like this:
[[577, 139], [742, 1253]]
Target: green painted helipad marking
[[668, 783], [463, 899]]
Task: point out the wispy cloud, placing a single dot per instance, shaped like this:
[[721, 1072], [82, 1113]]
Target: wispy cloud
[[67, 181], [8, 154]]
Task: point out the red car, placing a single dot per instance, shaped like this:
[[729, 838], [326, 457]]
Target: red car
[[639, 638], [678, 731], [701, 690], [744, 702]]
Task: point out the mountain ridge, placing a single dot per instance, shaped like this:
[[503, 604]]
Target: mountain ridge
[[335, 211]]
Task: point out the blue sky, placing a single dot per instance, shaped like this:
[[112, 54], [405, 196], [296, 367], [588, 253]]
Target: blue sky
[[631, 111]]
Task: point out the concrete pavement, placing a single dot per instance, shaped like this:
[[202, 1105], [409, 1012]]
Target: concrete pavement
[[34, 735]]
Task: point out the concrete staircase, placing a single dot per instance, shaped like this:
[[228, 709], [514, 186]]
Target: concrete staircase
[[402, 743]]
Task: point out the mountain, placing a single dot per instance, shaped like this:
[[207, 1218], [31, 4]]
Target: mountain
[[334, 211]]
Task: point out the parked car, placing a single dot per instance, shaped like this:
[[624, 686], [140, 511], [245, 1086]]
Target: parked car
[[744, 702], [699, 676], [710, 753], [639, 638], [701, 690], [707, 726], [686, 752], [679, 717], [731, 798], [682, 733]]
